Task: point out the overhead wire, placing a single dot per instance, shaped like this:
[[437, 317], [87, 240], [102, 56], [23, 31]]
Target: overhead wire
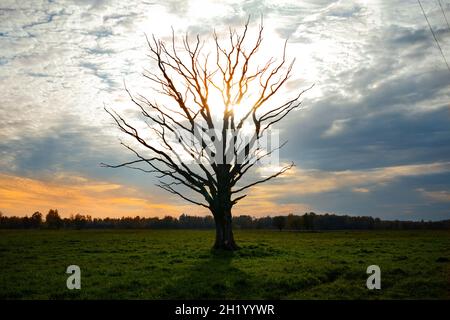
[[434, 35], [443, 12]]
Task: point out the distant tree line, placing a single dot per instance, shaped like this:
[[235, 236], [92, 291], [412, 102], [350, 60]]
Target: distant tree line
[[307, 222]]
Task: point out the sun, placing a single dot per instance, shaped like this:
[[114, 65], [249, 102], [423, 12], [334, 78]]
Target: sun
[[217, 106]]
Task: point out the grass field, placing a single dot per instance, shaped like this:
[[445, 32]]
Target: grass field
[[178, 264]]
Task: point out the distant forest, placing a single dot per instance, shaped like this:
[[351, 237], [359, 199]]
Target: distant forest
[[308, 222]]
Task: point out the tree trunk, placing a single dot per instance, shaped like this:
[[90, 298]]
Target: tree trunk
[[221, 210], [224, 232]]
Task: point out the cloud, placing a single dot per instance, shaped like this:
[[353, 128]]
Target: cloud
[[389, 192], [337, 127], [361, 190], [302, 182], [440, 196]]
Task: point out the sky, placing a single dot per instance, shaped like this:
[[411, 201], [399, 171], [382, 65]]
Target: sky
[[372, 137]]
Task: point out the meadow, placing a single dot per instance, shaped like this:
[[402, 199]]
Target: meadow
[[179, 264]]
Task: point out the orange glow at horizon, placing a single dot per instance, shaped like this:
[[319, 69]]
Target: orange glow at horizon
[[20, 196], [71, 195]]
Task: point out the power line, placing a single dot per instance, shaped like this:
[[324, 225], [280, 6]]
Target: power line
[[434, 36], [443, 12]]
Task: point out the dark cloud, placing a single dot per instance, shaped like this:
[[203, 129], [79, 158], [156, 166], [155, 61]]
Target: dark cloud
[[369, 140], [395, 110]]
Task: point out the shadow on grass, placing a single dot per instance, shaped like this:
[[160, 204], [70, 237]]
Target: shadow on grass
[[214, 277]]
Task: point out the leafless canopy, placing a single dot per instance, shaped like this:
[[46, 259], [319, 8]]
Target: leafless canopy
[[190, 126]]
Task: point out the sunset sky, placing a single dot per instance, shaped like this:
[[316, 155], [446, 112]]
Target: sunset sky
[[373, 137]]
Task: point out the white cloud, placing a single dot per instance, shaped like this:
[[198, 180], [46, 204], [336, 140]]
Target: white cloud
[[361, 190], [337, 127]]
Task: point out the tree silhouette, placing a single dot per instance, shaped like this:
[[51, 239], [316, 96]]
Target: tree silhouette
[[53, 220], [36, 219], [198, 147], [279, 222]]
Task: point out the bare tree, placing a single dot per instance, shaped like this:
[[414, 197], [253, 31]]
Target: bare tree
[[200, 150]]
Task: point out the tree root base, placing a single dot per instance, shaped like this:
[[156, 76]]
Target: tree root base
[[226, 246]]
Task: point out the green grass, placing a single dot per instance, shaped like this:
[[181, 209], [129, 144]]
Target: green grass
[[178, 264]]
